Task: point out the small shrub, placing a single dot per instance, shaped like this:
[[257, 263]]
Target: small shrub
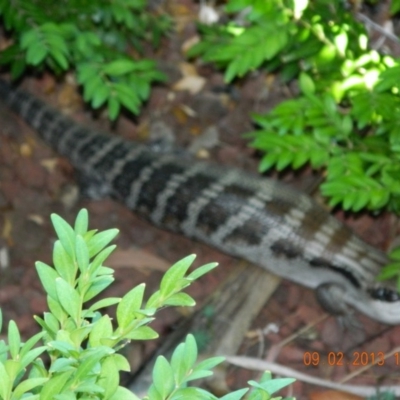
[[82, 342], [344, 121], [90, 37]]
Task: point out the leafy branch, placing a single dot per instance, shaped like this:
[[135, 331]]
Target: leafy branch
[[92, 38], [344, 121], [82, 342]]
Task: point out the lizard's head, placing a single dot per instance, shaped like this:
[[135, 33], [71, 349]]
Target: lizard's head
[[383, 303], [380, 302], [359, 265]]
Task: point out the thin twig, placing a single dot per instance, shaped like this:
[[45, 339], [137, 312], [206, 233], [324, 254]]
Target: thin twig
[[261, 365], [367, 367], [377, 27], [303, 330]]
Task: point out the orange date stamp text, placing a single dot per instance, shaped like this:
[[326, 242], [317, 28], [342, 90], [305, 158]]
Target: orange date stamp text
[[358, 358]]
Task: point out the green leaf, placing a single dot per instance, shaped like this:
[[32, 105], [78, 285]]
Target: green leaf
[[179, 300], [85, 370], [307, 85], [284, 160], [36, 54], [300, 159], [54, 385], [127, 97], [177, 363], [184, 357], [82, 222], [171, 279], [13, 368], [14, 339], [29, 38], [18, 67], [99, 241], [209, 363], [114, 108], [38, 369], [101, 329], [395, 254], [163, 377], [198, 375], [86, 387], [199, 272], [389, 271], [82, 253], [79, 335], [192, 393], [44, 326], [142, 333], [124, 394], [27, 385], [394, 7], [69, 299], [65, 348], [100, 258], [273, 385], [63, 263], [5, 382], [47, 276], [245, 52], [360, 201], [121, 363], [119, 67], [97, 286], [27, 346], [56, 309], [267, 162], [129, 305], [32, 355], [103, 303], [109, 376], [101, 95], [51, 322], [92, 84], [60, 58], [65, 233], [236, 395], [85, 73], [190, 351], [319, 157]]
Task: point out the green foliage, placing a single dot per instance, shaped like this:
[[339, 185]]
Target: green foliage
[[383, 396], [91, 37], [170, 378], [395, 6], [392, 270], [82, 342], [345, 120]]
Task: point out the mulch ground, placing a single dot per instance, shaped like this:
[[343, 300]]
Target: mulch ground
[[35, 182]]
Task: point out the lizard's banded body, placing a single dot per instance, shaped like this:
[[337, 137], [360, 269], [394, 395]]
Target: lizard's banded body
[[244, 215]]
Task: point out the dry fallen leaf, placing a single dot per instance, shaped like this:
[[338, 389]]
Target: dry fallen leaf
[[188, 69], [189, 43], [7, 228], [49, 164], [25, 150], [191, 81], [193, 84], [36, 218], [68, 98]]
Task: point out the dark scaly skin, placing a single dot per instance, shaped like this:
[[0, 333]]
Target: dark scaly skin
[[242, 214]]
